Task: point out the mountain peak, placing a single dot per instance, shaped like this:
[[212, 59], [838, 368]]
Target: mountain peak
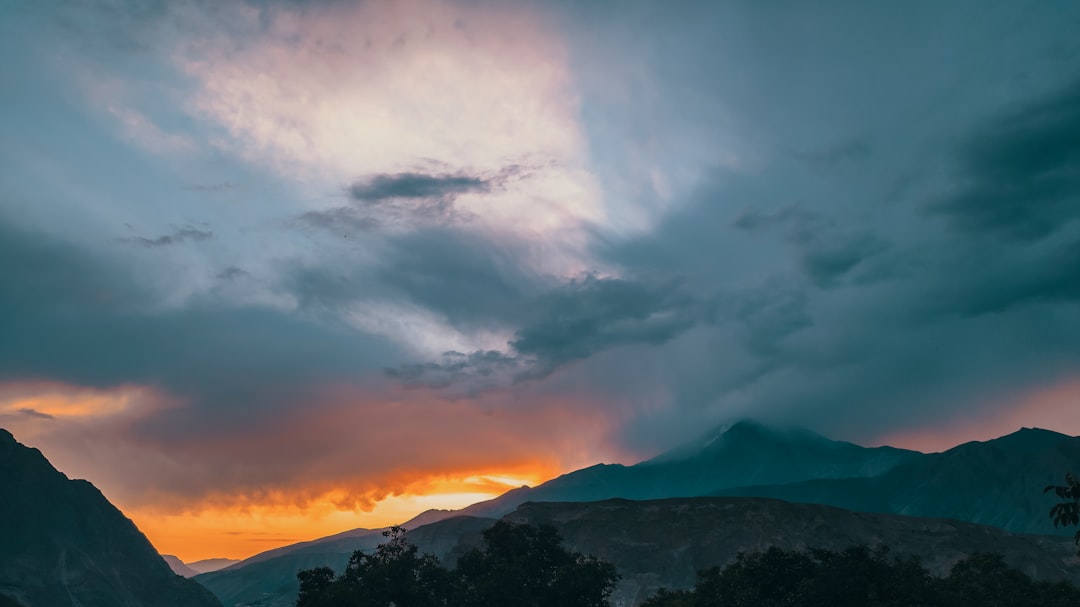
[[1027, 439]]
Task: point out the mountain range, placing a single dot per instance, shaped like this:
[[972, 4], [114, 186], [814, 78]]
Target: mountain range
[[997, 482], [62, 544]]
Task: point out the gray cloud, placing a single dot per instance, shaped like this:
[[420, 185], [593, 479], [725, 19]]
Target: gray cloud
[[593, 314], [1020, 171], [474, 371], [415, 186], [405, 198], [81, 318], [183, 234]]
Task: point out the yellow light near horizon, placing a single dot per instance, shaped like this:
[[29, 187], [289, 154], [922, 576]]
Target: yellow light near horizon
[[241, 533]]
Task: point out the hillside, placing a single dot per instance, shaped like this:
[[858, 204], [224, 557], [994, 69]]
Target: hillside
[[662, 543], [998, 482], [746, 453], [62, 544]]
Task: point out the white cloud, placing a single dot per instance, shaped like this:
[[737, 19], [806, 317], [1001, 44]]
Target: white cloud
[[331, 95]]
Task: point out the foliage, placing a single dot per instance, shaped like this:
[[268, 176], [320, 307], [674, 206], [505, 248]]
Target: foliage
[[527, 566], [518, 565], [861, 577], [1067, 512], [395, 574]]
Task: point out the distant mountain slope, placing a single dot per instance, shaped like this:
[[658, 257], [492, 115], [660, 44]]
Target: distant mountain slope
[[271, 582], [62, 544], [208, 565], [178, 567], [664, 542], [998, 482], [746, 453]]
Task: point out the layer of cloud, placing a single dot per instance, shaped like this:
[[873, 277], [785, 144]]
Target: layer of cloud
[[183, 234]]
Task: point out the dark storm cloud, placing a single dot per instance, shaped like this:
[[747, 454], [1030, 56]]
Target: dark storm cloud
[[593, 314], [415, 186], [825, 261], [397, 198], [824, 252], [80, 318], [470, 280], [475, 371], [1020, 171], [183, 234]]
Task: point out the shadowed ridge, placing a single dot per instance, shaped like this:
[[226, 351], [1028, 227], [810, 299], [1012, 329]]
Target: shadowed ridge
[[63, 544]]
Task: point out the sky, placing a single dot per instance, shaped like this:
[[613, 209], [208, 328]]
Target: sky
[[271, 270]]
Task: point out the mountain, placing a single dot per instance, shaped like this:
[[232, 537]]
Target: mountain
[[178, 567], [208, 565], [62, 544], [746, 453], [997, 482], [193, 569], [270, 580], [662, 543]]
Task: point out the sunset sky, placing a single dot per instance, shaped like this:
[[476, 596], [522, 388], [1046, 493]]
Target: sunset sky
[[271, 270]]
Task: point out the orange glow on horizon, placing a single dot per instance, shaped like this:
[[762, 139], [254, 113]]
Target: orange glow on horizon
[[241, 533]]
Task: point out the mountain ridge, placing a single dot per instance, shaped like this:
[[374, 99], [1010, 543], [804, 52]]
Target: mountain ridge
[[62, 544]]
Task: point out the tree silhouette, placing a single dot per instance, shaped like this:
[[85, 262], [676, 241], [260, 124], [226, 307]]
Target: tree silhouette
[[518, 565], [396, 574], [861, 577], [527, 566], [1067, 512]]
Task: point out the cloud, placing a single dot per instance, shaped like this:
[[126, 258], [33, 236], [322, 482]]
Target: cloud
[[592, 314], [475, 372], [183, 234], [415, 186], [403, 200], [1020, 171], [429, 97]]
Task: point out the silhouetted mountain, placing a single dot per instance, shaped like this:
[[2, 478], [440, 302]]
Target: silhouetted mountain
[[63, 544], [208, 565], [178, 567], [997, 482], [193, 569], [270, 581], [662, 543], [746, 453]]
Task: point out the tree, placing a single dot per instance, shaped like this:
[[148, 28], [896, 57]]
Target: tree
[[1067, 512], [527, 566], [395, 575], [518, 566]]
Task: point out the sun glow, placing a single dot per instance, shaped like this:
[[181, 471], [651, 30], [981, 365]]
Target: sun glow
[[237, 533]]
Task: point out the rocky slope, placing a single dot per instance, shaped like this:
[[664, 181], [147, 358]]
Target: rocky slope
[[63, 544]]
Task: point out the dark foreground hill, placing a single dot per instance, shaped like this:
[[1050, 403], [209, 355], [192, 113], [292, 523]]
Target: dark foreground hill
[[62, 544], [664, 542]]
